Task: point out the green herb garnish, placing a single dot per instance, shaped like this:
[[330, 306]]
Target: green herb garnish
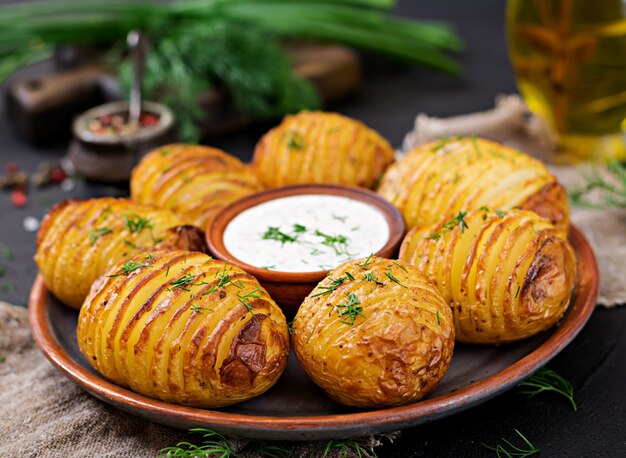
[[438, 321], [458, 220], [350, 309], [295, 141], [184, 282], [213, 444], [548, 380], [393, 278], [514, 451], [195, 308], [299, 228], [370, 276], [337, 242], [367, 262], [136, 224], [95, 234], [274, 233], [347, 447], [129, 267], [272, 267], [609, 188], [339, 218], [2, 359], [334, 284], [500, 213], [245, 299]]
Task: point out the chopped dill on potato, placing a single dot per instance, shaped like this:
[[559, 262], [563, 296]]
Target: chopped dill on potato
[[95, 234], [350, 308], [129, 267]]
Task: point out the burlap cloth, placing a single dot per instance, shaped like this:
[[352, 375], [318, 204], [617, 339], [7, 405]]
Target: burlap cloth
[[43, 414]]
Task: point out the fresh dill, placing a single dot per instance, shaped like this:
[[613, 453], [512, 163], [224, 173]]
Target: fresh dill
[[499, 212], [295, 141], [136, 224], [213, 444], [548, 380], [347, 447], [274, 233], [290, 326], [367, 262], [185, 282], [517, 291], [337, 242], [393, 278], [196, 309], [603, 189], [2, 359], [272, 267], [95, 234], [513, 451], [339, 218], [316, 252], [441, 143], [334, 284], [397, 264], [350, 309], [299, 228], [438, 320], [458, 220], [8, 287], [245, 299], [129, 267], [349, 276], [370, 276]]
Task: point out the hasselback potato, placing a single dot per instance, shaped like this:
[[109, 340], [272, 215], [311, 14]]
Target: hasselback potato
[[192, 181], [374, 333], [318, 147], [507, 275], [450, 175], [79, 240], [185, 328]]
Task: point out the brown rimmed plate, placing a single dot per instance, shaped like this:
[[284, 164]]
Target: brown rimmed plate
[[295, 409]]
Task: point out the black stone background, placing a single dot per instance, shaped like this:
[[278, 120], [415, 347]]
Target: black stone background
[[391, 96]]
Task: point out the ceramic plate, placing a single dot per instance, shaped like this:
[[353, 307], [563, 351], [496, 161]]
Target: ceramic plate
[[295, 409]]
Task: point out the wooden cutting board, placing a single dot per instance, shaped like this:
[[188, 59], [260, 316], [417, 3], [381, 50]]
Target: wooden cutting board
[[42, 108]]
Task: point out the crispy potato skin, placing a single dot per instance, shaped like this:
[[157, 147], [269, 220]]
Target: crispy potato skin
[[396, 352], [193, 181], [73, 250], [507, 276], [196, 343], [320, 147], [444, 177]]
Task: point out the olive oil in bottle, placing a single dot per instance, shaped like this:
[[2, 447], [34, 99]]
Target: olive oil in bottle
[[569, 58]]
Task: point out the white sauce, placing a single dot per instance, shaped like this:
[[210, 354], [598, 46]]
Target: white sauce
[[357, 230]]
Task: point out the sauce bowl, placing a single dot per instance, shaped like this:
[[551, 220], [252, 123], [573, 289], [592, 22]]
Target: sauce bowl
[[289, 289]]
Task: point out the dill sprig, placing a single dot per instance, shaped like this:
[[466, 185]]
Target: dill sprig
[[337, 242], [513, 450], [95, 234], [367, 262], [393, 278], [334, 284], [136, 224], [129, 267], [245, 299], [223, 279], [347, 447], [350, 309], [370, 276], [185, 282], [274, 233], [547, 380], [458, 220], [608, 188], [294, 141], [213, 444]]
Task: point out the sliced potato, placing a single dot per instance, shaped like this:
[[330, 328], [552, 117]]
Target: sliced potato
[[319, 147], [193, 181], [79, 240], [507, 275], [185, 328], [446, 176], [374, 333]]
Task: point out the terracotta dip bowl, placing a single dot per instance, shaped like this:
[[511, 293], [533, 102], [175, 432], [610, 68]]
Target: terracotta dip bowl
[[289, 289]]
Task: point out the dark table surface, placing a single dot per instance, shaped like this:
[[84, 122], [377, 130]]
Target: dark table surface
[[388, 101]]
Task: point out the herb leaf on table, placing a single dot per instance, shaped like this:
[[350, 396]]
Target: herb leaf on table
[[509, 450], [547, 380]]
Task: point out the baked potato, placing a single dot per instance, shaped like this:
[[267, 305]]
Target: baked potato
[[374, 333], [507, 275], [79, 240], [446, 176], [318, 147], [193, 181], [184, 328]]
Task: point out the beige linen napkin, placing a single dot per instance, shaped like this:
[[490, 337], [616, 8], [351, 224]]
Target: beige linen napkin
[[511, 123]]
